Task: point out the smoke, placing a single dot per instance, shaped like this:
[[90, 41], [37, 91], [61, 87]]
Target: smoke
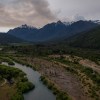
[[32, 12]]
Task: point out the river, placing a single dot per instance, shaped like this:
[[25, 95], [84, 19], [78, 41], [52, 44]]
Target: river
[[41, 92]]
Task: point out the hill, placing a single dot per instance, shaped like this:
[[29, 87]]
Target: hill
[[90, 39], [7, 38]]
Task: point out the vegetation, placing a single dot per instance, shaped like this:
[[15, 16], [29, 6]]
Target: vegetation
[[23, 62], [44, 50], [25, 86], [6, 59], [84, 45], [85, 74], [60, 95], [90, 39], [89, 78], [16, 78]]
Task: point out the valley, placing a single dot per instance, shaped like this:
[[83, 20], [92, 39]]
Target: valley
[[68, 76], [38, 63]]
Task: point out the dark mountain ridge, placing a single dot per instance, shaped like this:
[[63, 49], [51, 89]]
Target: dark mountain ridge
[[24, 32], [52, 31], [90, 39], [7, 38]]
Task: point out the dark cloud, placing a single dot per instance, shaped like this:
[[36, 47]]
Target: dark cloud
[[32, 12]]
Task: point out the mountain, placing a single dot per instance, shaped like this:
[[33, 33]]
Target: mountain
[[53, 31], [24, 32], [7, 38], [68, 23], [90, 39], [43, 34]]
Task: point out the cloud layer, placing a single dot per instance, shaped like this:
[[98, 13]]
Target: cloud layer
[[39, 12], [32, 12], [69, 9]]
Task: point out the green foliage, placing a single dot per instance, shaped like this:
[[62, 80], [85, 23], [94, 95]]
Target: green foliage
[[22, 84], [25, 86], [62, 96], [92, 74], [11, 72], [61, 48], [17, 96], [6, 59]]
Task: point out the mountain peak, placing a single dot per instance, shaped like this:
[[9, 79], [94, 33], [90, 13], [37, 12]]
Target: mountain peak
[[59, 22], [24, 26], [27, 26], [68, 23], [52, 31]]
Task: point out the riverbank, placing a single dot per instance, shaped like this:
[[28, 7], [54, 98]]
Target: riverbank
[[67, 82], [66, 72], [16, 83], [88, 75]]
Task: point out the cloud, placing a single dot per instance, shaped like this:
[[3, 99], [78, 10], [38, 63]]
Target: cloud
[[78, 17], [32, 12], [90, 9]]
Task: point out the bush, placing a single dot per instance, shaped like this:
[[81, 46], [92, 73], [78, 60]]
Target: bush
[[25, 86], [8, 60], [17, 96]]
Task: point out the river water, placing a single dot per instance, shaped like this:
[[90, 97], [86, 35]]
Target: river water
[[41, 92]]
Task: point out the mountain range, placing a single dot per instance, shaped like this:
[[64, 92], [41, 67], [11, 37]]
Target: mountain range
[[78, 34], [53, 31]]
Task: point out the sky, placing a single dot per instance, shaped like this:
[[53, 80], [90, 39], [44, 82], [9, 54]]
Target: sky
[[37, 13]]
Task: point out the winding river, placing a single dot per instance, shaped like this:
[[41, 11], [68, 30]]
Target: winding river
[[41, 92]]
